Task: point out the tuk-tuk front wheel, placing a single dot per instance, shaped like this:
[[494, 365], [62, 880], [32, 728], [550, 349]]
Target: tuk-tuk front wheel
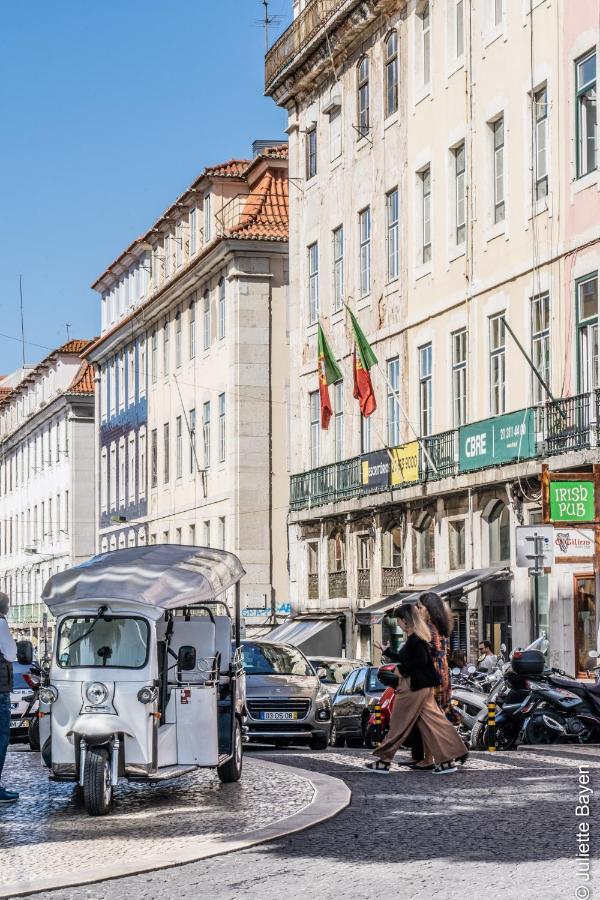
[[232, 769], [97, 787]]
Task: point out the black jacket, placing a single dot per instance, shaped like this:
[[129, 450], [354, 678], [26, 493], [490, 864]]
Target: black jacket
[[414, 661]]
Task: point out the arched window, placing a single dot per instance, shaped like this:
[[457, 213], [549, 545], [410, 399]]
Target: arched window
[[497, 516], [391, 73], [337, 552], [362, 96]]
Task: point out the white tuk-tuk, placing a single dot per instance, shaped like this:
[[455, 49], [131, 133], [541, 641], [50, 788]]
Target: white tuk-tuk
[[145, 680]]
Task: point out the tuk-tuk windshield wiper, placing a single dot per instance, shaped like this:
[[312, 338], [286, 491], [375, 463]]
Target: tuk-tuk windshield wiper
[[99, 615]]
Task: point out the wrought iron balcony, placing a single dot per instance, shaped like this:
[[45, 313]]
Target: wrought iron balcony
[[567, 425], [338, 584], [315, 15]]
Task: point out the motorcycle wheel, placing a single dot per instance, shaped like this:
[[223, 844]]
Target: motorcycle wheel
[[536, 732], [97, 789], [477, 736], [371, 737], [33, 735], [505, 740]]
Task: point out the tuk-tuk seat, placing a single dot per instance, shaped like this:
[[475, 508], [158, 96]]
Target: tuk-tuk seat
[[199, 634], [223, 642]]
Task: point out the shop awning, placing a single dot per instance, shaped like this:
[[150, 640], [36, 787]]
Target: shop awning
[[455, 587], [315, 637]]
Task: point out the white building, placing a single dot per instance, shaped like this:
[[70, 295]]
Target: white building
[[192, 363], [446, 158], [46, 477]]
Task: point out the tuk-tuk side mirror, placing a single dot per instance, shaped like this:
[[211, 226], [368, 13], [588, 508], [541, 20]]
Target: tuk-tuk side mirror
[[24, 653], [186, 658]]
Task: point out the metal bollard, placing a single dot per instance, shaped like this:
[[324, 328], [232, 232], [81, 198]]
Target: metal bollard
[[377, 721], [491, 727]]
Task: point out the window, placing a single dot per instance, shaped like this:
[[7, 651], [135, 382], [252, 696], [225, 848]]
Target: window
[[132, 461], [391, 73], [364, 230], [168, 251], [121, 382], [335, 133], [311, 153], [424, 556], [459, 25], [192, 323], [315, 428], [540, 345], [222, 428], [338, 268], [142, 474], [498, 523], [393, 407], [587, 319], [178, 339], [206, 433], [338, 407], [221, 317], [142, 373], [207, 219], [456, 542], [426, 389], [207, 533], [192, 530], [178, 448], [425, 45], [104, 480], [366, 434], [122, 471], [103, 391], [391, 221], [362, 97], [498, 134], [156, 263], [425, 178], [222, 535], [497, 365], [193, 231], [166, 328], [166, 453], [586, 102], [206, 320], [459, 194], [154, 355], [313, 283], [459, 378], [540, 117], [131, 375], [391, 548], [154, 457], [497, 12], [178, 244], [192, 441]]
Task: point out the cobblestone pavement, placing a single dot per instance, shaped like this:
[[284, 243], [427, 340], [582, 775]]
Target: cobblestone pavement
[[50, 827], [505, 826]]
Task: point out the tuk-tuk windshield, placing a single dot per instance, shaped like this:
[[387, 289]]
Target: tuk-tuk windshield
[[106, 641]]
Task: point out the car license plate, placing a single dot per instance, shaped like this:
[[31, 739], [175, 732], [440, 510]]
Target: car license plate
[[17, 723], [278, 716]]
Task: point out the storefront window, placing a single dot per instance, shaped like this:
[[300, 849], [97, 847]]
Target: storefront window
[[585, 623]]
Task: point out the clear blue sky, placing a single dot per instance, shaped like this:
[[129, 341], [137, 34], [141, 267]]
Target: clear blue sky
[[108, 111]]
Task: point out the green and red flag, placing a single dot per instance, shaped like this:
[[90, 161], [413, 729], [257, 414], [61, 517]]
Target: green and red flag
[[329, 373], [364, 360]]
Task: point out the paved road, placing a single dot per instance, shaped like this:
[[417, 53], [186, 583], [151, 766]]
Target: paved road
[[505, 826]]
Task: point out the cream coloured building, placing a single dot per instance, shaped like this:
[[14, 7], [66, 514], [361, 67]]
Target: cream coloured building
[[446, 153], [192, 362]]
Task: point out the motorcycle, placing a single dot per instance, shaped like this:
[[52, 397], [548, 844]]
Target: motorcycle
[[470, 697], [33, 679]]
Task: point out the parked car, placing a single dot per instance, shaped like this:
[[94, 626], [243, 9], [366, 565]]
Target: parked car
[[336, 670], [285, 700], [22, 711], [352, 708]]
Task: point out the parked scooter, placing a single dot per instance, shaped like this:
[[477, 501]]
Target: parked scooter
[[34, 680], [469, 696]]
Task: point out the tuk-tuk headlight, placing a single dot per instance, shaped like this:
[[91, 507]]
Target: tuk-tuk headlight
[[48, 694], [96, 693], [147, 694]]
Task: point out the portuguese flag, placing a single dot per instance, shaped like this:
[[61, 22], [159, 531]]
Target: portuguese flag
[[329, 373], [364, 360]]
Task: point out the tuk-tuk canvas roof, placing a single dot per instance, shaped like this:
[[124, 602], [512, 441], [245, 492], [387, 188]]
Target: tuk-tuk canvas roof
[[160, 576]]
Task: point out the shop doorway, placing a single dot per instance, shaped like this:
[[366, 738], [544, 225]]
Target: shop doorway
[[584, 619], [496, 613]]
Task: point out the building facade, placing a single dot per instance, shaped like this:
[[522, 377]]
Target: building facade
[[192, 377], [448, 163], [46, 478]]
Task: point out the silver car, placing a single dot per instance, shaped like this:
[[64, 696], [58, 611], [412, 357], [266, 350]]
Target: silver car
[[285, 700], [333, 670]]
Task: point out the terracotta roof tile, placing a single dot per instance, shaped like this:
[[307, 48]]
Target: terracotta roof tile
[[74, 346], [83, 383], [233, 168], [265, 212]]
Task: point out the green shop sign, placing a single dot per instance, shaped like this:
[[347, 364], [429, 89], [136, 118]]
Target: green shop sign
[[496, 441], [572, 501]]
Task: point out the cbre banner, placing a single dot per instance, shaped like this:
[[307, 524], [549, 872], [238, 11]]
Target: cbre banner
[[496, 441]]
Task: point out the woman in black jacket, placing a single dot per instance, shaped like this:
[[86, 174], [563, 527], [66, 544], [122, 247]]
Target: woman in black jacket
[[415, 702]]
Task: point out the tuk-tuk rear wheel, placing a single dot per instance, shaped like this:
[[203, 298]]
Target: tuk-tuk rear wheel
[[232, 769], [97, 787]]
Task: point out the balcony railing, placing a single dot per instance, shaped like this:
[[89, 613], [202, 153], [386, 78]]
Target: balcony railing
[[364, 584], [314, 16], [338, 584], [313, 586], [568, 424], [392, 579]]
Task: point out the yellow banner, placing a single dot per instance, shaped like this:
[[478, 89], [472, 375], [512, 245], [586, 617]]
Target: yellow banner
[[405, 464]]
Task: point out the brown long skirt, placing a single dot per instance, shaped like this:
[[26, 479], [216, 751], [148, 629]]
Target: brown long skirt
[[419, 708]]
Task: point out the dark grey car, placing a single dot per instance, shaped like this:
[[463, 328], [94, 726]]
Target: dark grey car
[[285, 700], [352, 708]]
